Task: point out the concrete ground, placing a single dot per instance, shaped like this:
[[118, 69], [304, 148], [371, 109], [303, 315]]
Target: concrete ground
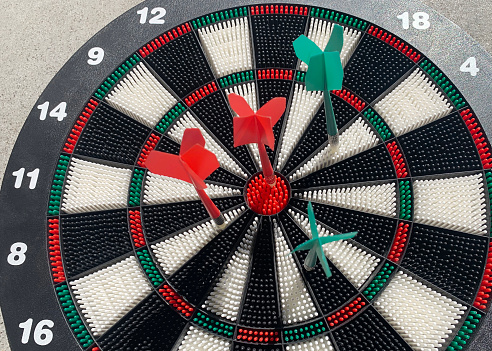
[[38, 37]]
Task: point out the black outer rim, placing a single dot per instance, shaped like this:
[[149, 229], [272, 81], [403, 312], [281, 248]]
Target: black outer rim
[[22, 292]]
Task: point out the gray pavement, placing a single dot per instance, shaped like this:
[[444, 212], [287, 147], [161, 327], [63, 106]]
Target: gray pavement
[[38, 37]]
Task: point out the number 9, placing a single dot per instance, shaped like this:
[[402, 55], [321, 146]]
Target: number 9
[[96, 56]]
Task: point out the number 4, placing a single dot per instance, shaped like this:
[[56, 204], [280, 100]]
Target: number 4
[[58, 112], [470, 66]]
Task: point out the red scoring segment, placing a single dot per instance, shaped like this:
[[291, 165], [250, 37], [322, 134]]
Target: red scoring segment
[[136, 229], [54, 251], [398, 44], [350, 97], [400, 242], [398, 159], [200, 94], [148, 147], [79, 126], [346, 312], [261, 336], [264, 199], [282, 9], [276, 74], [483, 296], [176, 301], [478, 137], [164, 39]]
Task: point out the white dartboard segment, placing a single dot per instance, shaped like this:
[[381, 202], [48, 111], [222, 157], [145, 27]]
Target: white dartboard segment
[[228, 46], [141, 96], [321, 343], [412, 104], [456, 203], [84, 191], [422, 316], [296, 303], [225, 298], [197, 339], [377, 199], [109, 294], [162, 190]]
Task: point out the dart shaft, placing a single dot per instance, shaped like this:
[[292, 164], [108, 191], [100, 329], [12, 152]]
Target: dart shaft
[[212, 210], [266, 166], [331, 123]]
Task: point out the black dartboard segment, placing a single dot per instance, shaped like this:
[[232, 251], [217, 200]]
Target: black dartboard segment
[[111, 135], [373, 164], [143, 328], [92, 239], [198, 275], [451, 260], [182, 64], [444, 146], [273, 37], [369, 331], [261, 304], [375, 67], [233, 288], [163, 220]]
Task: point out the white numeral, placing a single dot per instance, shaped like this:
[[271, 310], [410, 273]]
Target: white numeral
[[470, 66], [59, 112], [159, 13], [42, 333], [96, 56], [420, 20], [19, 177], [17, 254]]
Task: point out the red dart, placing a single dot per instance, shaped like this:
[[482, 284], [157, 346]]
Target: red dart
[[193, 165], [257, 128]]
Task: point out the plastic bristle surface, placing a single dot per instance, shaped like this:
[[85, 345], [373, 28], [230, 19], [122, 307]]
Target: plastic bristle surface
[[265, 199], [149, 268], [219, 16], [54, 250], [172, 253], [170, 117], [199, 340], [338, 17], [467, 330], [141, 96], [378, 199], [355, 139], [356, 264], [109, 294], [303, 109], [320, 33], [225, 160], [236, 78], [321, 343], [297, 305], [228, 46], [379, 124], [413, 104], [85, 192], [56, 193], [422, 316], [379, 282], [163, 190], [116, 76], [136, 184], [225, 298], [456, 203]]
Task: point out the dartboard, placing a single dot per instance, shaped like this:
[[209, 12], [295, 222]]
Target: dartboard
[[100, 254]]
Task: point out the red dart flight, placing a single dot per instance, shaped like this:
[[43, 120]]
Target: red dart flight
[[257, 128], [193, 165]]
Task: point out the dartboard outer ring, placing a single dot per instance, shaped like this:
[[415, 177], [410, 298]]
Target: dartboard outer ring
[[27, 290]]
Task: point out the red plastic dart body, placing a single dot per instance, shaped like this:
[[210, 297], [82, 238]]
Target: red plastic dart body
[[257, 128], [193, 165]]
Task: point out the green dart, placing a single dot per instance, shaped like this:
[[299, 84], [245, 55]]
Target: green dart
[[325, 73], [315, 245]]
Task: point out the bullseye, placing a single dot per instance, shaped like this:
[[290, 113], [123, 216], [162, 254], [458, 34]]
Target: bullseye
[[264, 199]]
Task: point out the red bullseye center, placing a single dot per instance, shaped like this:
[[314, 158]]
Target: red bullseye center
[[264, 199]]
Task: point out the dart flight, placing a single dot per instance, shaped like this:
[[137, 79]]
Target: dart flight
[[315, 245], [193, 165], [257, 128], [325, 73]]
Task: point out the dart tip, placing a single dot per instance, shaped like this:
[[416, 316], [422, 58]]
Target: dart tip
[[308, 268], [334, 142], [220, 222], [271, 180]]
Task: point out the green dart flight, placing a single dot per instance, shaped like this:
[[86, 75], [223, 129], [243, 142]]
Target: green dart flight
[[315, 245], [325, 73]]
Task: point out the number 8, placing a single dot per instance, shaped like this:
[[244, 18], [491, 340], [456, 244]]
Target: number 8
[[17, 254]]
